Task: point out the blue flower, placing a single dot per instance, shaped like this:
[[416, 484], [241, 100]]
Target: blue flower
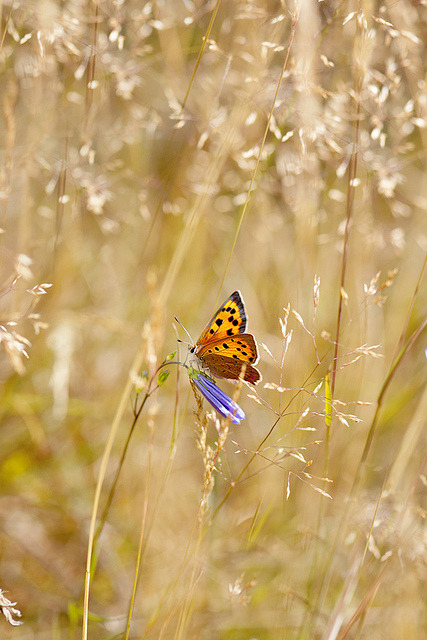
[[220, 401]]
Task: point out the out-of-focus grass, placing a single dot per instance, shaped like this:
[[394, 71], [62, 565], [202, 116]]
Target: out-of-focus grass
[[135, 209]]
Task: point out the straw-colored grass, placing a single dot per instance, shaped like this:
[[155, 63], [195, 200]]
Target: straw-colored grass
[[156, 156]]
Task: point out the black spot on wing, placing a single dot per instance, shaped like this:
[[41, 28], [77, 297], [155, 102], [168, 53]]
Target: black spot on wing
[[236, 298]]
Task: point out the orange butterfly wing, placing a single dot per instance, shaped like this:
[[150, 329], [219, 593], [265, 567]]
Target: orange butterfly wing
[[224, 347], [224, 367], [228, 320], [240, 347]]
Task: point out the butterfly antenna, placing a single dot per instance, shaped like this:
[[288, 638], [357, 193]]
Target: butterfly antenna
[[182, 326]]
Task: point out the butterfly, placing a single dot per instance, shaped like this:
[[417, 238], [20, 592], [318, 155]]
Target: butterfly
[[224, 347]]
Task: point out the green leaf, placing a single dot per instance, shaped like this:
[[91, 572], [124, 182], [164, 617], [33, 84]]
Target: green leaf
[[163, 376]]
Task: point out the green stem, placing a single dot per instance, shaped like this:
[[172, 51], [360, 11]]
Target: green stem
[[137, 413]]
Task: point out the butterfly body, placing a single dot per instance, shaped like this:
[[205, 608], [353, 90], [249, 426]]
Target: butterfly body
[[224, 346]]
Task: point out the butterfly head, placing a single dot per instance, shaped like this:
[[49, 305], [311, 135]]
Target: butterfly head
[[192, 360]]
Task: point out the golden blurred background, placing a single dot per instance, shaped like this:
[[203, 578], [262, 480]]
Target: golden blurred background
[[156, 156]]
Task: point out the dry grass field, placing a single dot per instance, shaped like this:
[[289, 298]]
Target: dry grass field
[[155, 157]]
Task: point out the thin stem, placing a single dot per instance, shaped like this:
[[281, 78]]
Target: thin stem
[[119, 468], [106, 456], [261, 148], [265, 438], [142, 530], [90, 74], [352, 171], [175, 158], [379, 403], [6, 24], [137, 413], [411, 306], [359, 472]]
